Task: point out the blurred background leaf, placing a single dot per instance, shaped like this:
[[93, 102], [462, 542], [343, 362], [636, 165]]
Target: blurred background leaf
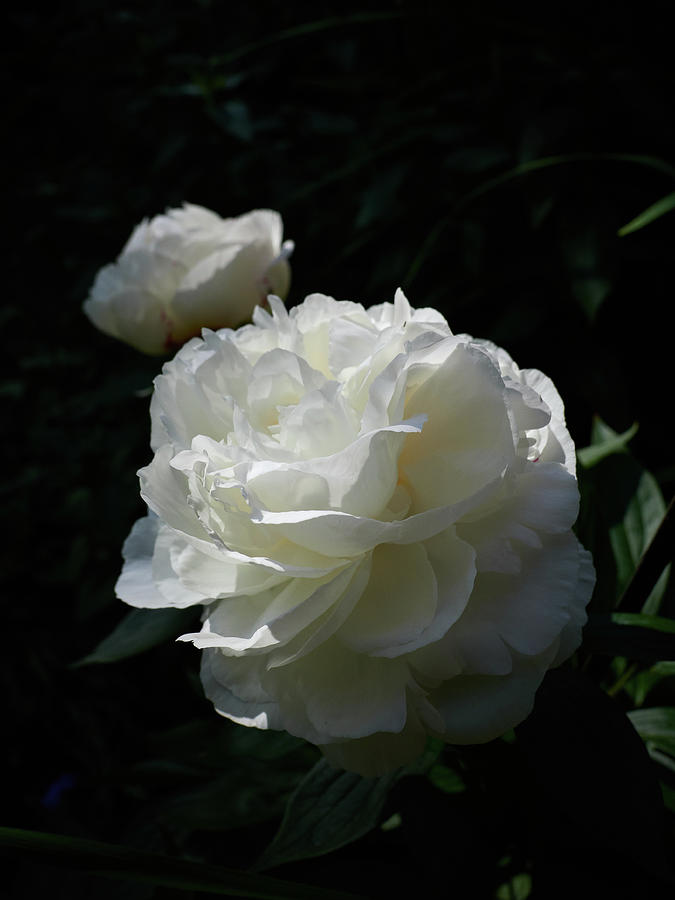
[[484, 160]]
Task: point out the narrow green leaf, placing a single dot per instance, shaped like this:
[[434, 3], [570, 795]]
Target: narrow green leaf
[[139, 630], [622, 508], [125, 863], [653, 568], [656, 726], [655, 211], [615, 443], [631, 536], [330, 808], [657, 623], [640, 685]]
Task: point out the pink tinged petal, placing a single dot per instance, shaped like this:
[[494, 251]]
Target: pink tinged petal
[[399, 601], [478, 708], [467, 440], [142, 321], [136, 585]]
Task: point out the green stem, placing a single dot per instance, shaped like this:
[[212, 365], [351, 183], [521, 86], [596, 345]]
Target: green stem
[[628, 673]]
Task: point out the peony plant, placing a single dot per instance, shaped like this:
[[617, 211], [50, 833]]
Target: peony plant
[[375, 515], [186, 270]]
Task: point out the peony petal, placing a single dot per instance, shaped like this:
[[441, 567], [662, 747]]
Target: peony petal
[[398, 603], [358, 480], [330, 683], [558, 446], [479, 708], [512, 604], [272, 618], [467, 440], [378, 754], [254, 713], [136, 585], [453, 564]]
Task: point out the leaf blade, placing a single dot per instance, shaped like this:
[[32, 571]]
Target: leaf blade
[[138, 631], [655, 211], [126, 863]]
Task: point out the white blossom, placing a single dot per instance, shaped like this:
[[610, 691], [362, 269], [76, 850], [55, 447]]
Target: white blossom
[[187, 270], [376, 517]]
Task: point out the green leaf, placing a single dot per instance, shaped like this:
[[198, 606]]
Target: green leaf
[[653, 212], [612, 443], [656, 727], [633, 635], [654, 567], [621, 510], [244, 795], [330, 808], [519, 887], [657, 623], [138, 631], [125, 863]]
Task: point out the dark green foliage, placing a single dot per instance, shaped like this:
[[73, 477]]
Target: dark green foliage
[[514, 171]]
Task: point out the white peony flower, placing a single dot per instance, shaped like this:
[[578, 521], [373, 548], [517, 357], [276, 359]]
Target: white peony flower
[[187, 270], [375, 514]]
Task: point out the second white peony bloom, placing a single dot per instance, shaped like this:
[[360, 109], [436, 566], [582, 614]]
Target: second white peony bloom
[[376, 517], [188, 270]]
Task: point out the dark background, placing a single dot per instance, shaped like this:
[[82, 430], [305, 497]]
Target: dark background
[[381, 133]]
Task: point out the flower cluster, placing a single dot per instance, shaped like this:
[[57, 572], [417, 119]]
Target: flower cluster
[[374, 513]]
